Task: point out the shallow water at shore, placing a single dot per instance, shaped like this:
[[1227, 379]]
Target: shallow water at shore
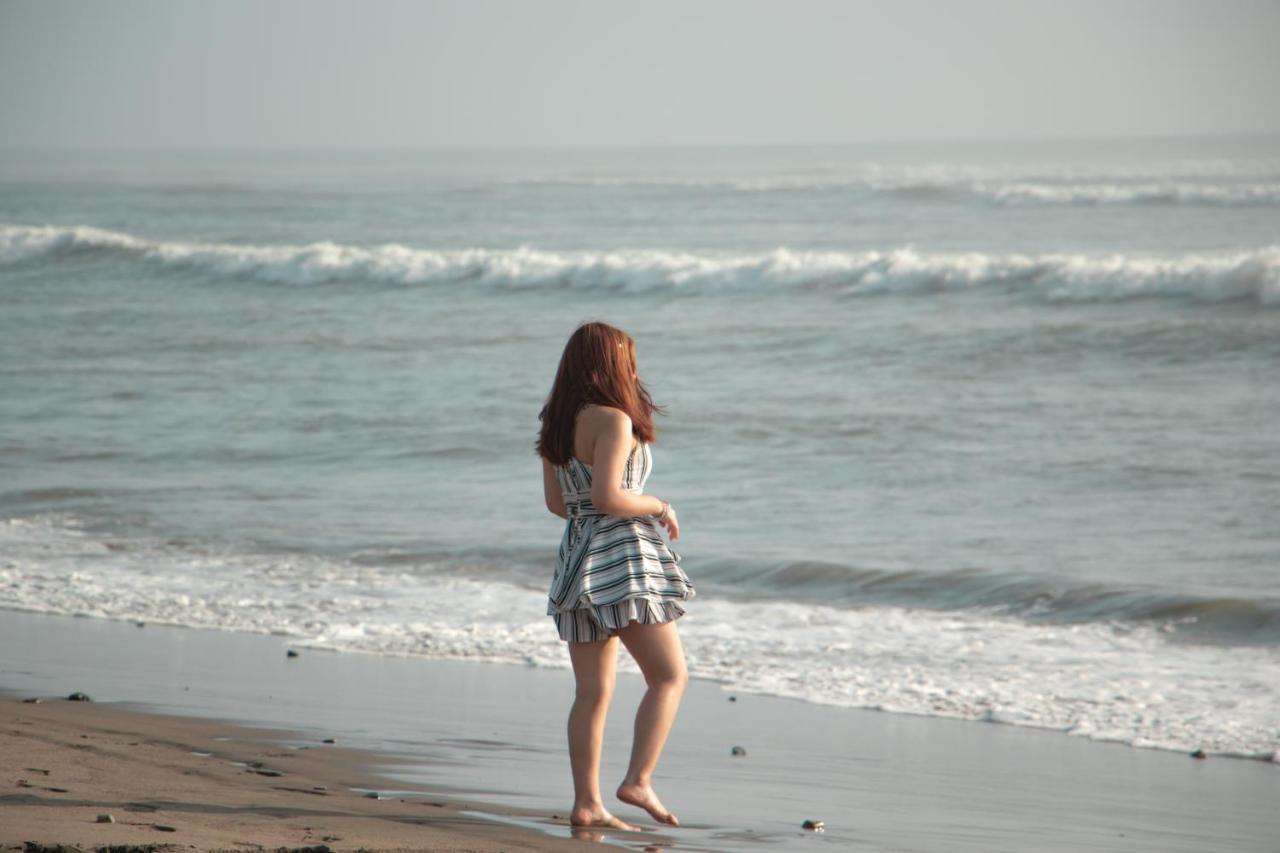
[[493, 733]]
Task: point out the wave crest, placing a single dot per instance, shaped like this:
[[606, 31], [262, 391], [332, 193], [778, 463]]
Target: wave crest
[[1031, 190], [1208, 277]]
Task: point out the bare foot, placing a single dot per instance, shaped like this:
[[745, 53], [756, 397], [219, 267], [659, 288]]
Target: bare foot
[[599, 817], [644, 797]]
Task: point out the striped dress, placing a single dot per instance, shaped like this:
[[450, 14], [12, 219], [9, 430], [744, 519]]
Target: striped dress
[[612, 570]]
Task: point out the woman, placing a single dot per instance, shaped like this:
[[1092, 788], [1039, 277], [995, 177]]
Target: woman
[[615, 579]]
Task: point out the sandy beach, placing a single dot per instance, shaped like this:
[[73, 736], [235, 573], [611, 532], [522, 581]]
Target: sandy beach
[[468, 756], [94, 775]]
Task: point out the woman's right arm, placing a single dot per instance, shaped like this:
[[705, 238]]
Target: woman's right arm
[[608, 458]]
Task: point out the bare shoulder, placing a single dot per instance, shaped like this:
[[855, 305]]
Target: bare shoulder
[[596, 422], [605, 417]]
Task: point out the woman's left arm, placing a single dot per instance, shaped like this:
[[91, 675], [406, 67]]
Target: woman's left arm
[[551, 490]]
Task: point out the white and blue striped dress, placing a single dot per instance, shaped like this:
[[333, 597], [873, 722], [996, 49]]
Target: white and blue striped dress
[[612, 570]]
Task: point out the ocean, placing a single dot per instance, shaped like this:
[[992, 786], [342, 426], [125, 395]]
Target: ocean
[[979, 430]]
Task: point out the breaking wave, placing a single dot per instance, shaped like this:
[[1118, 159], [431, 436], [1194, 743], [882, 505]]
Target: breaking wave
[[1028, 191], [1204, 277]]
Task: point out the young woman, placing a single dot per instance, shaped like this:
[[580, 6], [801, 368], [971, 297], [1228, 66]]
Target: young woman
[[615, 579]]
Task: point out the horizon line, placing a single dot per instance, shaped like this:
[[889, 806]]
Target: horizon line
[[477, 147]]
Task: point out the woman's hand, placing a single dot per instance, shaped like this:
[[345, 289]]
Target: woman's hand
[[671, 523]]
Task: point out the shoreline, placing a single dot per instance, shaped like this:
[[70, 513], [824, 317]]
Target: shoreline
[[486, 739]]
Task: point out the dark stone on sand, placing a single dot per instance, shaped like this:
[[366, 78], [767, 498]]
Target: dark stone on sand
[[372, 795], [37, 847], [58, 790], [291, 654], [733, 698], [79, 697], [329, 740], [737, 750], [141, 624], [268, 772], [106, 818], [164, 827], [813, 825], [1199, 753], [38, 770], [34, 700]]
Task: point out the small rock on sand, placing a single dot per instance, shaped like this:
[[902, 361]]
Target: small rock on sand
[[79, 697], [1199, 753], [291, 653], [813, 825], [737, 750], [106, 818]]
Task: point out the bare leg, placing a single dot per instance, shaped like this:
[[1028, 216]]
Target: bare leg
[[594, 668], [657, 650]]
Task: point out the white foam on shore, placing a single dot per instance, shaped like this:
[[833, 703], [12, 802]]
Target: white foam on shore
[[1106, 681], [1209, 277]]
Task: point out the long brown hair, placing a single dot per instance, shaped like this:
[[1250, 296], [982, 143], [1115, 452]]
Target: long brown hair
[[598, 367]]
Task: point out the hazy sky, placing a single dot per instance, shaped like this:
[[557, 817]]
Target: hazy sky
[[324, 73]]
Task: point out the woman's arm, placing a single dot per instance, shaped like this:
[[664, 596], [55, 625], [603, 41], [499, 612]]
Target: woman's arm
[[608, 458], [551, 490]]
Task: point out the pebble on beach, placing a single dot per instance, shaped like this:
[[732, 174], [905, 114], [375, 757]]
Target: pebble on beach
[[737, 750], [106, 818], [291, 654], [79, 697], [1199, 753], [813, 825]]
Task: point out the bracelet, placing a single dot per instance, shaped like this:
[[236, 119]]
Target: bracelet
[[665, 506]]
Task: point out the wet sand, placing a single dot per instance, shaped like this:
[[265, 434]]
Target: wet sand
[[207, 785], [486, 741]]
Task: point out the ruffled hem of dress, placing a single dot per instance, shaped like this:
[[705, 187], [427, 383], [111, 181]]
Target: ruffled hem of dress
[[600, 621]]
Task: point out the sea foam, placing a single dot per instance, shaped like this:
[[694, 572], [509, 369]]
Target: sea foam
[[1252, 274], [1110, 681]]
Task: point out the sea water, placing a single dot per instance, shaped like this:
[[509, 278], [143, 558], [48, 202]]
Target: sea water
[[984, 430]]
